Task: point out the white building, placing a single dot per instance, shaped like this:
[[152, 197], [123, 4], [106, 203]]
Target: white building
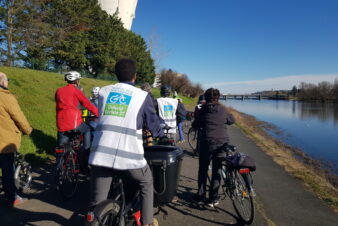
[[125, 10]]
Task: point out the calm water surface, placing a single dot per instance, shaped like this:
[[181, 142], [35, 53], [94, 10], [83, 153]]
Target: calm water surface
[[312, 127]]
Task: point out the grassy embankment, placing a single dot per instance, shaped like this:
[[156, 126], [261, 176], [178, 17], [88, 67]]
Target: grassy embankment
[[294, 161], [35, 92]]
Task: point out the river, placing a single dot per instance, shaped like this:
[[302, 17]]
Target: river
[[311, 127]]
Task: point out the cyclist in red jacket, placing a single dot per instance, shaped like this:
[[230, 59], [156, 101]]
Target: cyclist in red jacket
[[68, 115]]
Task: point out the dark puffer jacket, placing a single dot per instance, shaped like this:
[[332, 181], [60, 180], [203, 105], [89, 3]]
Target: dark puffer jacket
[[212, 120]]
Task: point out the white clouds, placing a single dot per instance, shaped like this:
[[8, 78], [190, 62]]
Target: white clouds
[[278, 83]]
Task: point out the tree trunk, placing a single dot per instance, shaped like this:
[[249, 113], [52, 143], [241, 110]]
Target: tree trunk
[[9, 60]]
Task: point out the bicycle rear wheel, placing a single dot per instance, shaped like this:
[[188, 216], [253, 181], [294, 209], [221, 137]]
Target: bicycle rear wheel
[[242, 200], [192, 139], [67, 173], [106, 213]]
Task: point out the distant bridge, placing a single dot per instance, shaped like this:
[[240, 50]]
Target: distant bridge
[[254, 97]]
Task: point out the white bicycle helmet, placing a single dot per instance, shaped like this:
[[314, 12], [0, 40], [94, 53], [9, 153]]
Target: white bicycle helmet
[[72, 76], [95, 91]]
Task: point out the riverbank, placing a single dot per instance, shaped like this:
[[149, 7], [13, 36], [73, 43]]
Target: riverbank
[[295, 162]]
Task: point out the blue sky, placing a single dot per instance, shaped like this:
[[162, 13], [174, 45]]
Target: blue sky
[[243, 46]]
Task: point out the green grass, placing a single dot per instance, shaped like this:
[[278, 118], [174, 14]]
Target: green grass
[[35, 92]]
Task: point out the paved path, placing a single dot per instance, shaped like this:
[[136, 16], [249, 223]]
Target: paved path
[[280, 200]]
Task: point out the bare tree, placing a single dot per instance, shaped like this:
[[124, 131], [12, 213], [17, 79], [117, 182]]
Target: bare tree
[[155, 48], [335, 89], [324, 90], [180, 83]]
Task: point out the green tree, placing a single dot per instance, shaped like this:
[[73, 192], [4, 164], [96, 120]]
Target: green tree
[[17, 20], [103, 36], [70, 34], [70, 20]]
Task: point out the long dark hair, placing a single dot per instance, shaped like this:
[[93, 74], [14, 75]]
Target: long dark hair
[[212, 95]]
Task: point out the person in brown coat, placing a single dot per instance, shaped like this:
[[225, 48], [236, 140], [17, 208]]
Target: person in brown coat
[[12, 121]]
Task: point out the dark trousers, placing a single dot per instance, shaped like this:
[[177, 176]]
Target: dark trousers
[[84, 129], [8, 169], [101, 178], [206, 151]]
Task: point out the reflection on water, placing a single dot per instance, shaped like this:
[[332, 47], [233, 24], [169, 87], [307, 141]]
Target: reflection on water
[[322, 111], [312, 127]]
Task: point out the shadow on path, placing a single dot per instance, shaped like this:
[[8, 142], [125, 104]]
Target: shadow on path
[[43, 142], [45, 204], [191, 213]]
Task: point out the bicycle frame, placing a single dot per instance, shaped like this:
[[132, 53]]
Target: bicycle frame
[[68, 164], [75, 142], [128, 210]]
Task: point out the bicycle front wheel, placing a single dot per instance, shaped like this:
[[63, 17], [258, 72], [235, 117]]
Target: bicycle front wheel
[[242, 200], [67, 173], [192, 139], [186, 126]]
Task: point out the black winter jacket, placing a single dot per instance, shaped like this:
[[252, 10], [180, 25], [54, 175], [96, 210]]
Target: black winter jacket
[[212, 120]]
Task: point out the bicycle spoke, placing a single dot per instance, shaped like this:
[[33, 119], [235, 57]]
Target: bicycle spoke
[[242, 200], [67, 174]]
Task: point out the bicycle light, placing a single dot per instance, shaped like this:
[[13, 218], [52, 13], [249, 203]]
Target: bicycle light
[[90, 216], [59, 150], [246, 170], [171, 159]]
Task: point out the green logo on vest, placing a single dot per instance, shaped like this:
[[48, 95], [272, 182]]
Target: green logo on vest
[[168, 111], [117, 104]]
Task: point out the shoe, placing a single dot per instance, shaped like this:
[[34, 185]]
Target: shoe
[[198, 199], [175, 199], [252, 192], [19, 200], [155, 222], [213, 203]]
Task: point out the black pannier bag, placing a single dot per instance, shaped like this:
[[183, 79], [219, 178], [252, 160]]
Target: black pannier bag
[[241, 160], [165, 163]]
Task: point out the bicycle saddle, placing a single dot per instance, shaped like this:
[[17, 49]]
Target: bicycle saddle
[[228, 147], [225, 150]]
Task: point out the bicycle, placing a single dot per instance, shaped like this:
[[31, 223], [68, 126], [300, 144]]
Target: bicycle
[[188, 121], [22, 174], [193, 140], [237, 184], [68, 164], [123, 208], [116, 210]]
